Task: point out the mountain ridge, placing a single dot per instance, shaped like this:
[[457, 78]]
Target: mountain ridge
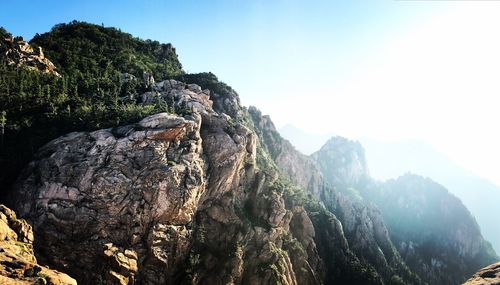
[[388, 160]]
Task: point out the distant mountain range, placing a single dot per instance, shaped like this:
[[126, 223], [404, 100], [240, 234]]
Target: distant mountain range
[[387, 160]]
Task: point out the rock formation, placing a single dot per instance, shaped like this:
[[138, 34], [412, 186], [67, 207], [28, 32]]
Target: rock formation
[[17, 52], [18, 264], [489, 275], [170, 199], [199, 196], [342, 162]]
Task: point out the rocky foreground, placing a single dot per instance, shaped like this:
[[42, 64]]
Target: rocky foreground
[[18, 264], [489, 275]]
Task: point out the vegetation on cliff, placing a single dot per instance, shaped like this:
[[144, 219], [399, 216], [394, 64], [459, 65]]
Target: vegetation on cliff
[[102, 75]]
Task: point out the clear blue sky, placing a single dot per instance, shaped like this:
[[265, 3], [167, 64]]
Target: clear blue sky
[[383, 69], [247, 43]]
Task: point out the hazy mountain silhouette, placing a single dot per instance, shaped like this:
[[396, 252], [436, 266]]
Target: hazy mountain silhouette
[[388, 160]]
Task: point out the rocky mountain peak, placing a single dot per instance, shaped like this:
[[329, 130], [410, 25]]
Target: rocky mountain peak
[[342, 161], [17, 52]]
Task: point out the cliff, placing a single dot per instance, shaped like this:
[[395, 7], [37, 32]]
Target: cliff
[[173, 198], [362, 224]]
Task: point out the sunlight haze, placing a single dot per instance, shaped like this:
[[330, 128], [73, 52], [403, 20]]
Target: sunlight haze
[[346, 142], [387, 70]]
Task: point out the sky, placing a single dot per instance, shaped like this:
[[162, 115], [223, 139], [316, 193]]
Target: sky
[[383, 69]]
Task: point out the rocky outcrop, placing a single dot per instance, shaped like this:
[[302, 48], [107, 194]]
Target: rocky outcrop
[[122, 265], [199, 196], [114, 186], [135, 186], [18, 264], [174, 198], [17, 52], [489, 275]]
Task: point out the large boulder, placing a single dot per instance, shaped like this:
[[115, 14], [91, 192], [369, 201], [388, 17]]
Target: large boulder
[[171, 199], [115, 186]]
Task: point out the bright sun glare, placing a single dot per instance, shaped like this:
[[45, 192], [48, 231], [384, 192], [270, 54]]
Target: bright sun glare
[[438, 82]]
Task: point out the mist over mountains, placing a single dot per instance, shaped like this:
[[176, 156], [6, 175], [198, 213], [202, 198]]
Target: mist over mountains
[[392, 159]]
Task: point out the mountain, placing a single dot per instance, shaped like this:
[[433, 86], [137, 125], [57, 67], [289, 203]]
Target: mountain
[[87, 48], [341, 164], [362, 225], [391, 159], [131, 171], [432, 228], [433, 231], [103, 70]]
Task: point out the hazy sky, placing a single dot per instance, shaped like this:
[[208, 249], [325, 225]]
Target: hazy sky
[[388, 70]]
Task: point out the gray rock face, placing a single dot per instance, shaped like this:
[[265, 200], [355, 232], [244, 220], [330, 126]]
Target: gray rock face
[[342, 162], [294, 165], [167, 200], [115, 186]]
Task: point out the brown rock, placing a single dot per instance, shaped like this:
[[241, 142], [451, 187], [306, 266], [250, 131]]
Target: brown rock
[[19, 53], [489, 275], [18, 264], [115, 186], [168, 200], [122, 265]]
